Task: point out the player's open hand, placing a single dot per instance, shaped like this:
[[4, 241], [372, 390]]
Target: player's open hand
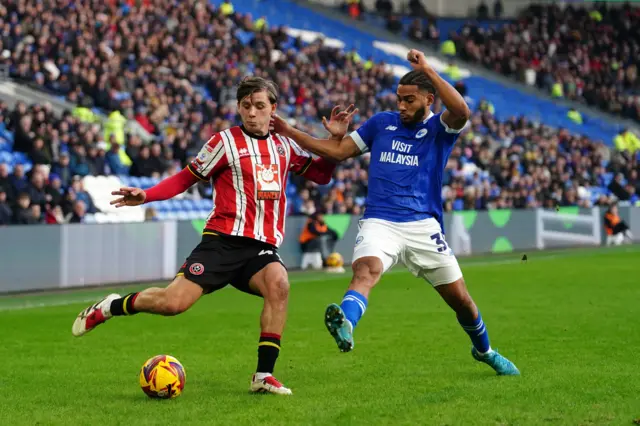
[[338, 123], [279, 125], [129, 197], [418, 60]]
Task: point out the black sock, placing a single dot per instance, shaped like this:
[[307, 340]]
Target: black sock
[[268, 350], [124, 305]]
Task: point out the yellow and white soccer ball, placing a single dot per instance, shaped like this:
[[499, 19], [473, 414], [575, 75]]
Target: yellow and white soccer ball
[[335, 260], [162, 377]]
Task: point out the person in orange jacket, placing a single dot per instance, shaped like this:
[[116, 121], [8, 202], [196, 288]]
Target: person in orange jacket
[[617, 230], [317, 236]]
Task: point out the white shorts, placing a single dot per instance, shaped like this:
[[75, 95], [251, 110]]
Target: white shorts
[[419, 245]]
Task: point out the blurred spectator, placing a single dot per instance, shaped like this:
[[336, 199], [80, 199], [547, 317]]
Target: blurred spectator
[[63, 169], [78, 213], [384, 7], [5, 182], [54, 190], [5, 209], [81, 195], [36, 214], [54, 216], [22, 215], [316, 236], [617, 230], [36, 191], [18, 179], [150, 215], [394, 24]]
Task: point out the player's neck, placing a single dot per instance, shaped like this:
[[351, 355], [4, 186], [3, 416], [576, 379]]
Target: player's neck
[[254, 135]]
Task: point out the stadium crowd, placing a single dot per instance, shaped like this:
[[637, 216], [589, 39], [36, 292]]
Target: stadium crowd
[[587, 55], [173, 67], [510, 164]]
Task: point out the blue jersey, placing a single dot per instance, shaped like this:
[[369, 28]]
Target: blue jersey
[[407, 164]]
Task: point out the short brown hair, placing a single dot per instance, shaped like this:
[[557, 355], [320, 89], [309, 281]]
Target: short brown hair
[[250, 85]]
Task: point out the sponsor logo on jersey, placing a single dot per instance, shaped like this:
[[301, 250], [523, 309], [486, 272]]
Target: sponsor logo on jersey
[[268, 181], [400, 154]]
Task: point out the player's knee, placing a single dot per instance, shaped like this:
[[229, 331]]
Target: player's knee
[[367, 272], [277, 289]]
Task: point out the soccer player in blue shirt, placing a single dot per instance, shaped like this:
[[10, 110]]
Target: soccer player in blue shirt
[[403, 216]]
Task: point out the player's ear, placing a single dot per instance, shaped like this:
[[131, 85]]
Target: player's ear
[[274, 108], [430, 98]]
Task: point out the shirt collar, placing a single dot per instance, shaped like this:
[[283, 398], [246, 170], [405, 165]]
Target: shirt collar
[[431, 114]]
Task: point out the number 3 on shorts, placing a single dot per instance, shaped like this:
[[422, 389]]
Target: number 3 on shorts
[[439, 239]]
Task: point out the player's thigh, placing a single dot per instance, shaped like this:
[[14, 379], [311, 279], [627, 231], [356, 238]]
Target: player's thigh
[[427, 254], [378, 239], [183, 293]]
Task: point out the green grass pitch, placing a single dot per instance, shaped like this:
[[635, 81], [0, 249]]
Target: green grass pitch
[[568, 319]]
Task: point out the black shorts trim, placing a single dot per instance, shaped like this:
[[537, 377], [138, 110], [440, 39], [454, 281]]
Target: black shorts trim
[[219, 260]]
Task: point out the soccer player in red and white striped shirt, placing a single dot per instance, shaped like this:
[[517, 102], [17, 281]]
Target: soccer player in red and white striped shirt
[[248, 167]]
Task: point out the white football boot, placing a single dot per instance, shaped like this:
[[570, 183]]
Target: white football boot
[[93, 316], [268, 384]]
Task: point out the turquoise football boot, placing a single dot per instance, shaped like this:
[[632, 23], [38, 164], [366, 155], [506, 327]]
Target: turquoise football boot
[[503, 366], [339, 327]]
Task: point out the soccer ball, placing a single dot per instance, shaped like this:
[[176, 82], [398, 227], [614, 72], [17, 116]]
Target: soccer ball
[[162, 377], [335, 260]]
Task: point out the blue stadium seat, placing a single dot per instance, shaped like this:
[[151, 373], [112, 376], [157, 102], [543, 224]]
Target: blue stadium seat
[[6, 157], [134, 181], [20, 158]]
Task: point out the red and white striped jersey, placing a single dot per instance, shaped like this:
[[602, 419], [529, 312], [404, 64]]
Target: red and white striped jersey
[[249, 178]]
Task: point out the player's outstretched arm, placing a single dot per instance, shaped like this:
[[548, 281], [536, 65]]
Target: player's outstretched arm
[[332, 149], [165, 189], [457, 113]]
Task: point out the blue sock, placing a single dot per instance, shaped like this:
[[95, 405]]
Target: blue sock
[[478, 333], [353, 305]]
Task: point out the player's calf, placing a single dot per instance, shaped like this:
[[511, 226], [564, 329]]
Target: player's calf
[[273, 285], [366, 274], [179, 296], [457, 297]]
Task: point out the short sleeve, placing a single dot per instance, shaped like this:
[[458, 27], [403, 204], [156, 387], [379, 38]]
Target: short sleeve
[[364, 136], [446, 134], [300, 159], [210, 160], [446, 127]]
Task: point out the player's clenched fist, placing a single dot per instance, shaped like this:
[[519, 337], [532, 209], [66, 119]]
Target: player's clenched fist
[[129, 197], [418, 60]]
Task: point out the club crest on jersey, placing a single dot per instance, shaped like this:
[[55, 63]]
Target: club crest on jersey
[[280, 150], [202, 157], [267, 181], [421, 133]]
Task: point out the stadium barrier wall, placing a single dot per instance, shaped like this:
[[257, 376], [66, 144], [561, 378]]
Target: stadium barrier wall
[[43, 257]]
